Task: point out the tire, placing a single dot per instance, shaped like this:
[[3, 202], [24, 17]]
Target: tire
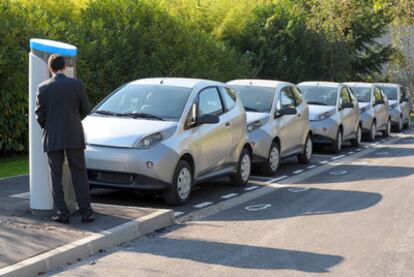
[[180, 190], [244, 168], [271, 165], [306, 155], [336, 145], [372, 131], [387, 131], [407, 124], [355, 142]]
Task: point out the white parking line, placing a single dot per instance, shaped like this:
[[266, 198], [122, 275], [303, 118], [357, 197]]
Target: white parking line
[[178, 213], [338, 157], [251, 188], [298, 171], [261, 178], [230, 195], [311, 166], [367, 146], [323, 162], [23, 195], [359, 149], [202, 205], [277, 179], [350, 153]]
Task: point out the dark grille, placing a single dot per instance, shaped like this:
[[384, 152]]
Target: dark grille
[[111, 177]]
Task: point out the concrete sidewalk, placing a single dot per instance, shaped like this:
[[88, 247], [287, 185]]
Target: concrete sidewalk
[[26, 240]]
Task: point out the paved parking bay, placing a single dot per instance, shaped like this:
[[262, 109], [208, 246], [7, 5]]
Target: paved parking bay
[[353, 218]]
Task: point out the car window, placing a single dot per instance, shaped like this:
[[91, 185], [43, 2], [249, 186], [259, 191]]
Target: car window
[[256, 98], [403, 93], [298, 96], [287, 100], [345, 96], [377, 95], [391, 92], [229, 97], [363, 94], [209, 102], [319, 95]]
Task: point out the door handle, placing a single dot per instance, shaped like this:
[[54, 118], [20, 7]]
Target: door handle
[[227, 124]]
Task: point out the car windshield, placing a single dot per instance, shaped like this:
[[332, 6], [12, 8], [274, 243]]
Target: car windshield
[[256, 99], [156, 102], [391, 92], [319, 95], [363, 94]]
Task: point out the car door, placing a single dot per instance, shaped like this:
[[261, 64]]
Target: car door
[[303, 118], [347, 114], [288, 124], [214, 140], [380, 108], [404, 104]]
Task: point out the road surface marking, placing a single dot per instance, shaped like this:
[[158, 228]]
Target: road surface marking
[[230, 195], [277, 179], [350, 153], [338, 157], [311, 166], [261, 178], [202, 205], [323, 162], [338, 172], [298, 189], [23, 195], [298, 171], [251, 188], [178, 213], [258, 207]]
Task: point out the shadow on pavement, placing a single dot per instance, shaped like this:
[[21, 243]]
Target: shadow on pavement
[[237, 255], [391, 152]]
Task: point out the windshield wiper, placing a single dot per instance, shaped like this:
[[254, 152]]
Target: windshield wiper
[[317, 103], [104, 112], [249, 109], [143, 115]]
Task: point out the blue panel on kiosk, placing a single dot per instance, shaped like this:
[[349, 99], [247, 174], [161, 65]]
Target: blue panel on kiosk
[[53, 47]]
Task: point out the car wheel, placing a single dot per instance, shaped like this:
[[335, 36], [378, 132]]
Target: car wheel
[[180, 190], [372, 131], [244, 168], [407, 124], [358, 136], [336, 145], [387, 131], [271, 165], [306, 156]]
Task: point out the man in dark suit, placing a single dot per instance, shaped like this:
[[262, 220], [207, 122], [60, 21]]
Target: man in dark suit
[[61, 105]]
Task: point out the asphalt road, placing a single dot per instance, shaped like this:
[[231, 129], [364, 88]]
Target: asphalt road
[[350, 217]]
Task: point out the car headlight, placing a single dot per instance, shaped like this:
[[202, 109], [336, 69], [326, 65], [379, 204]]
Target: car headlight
[[149, 141], [393, 106], [253, 125], [364, 109], [324, 115]]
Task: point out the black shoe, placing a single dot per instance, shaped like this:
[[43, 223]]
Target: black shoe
[[59, 218], [88, 218]]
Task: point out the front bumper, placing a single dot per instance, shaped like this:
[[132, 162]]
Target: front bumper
[[260, 141], [324, 131], [129, 168], [395, 115], [366, 120]]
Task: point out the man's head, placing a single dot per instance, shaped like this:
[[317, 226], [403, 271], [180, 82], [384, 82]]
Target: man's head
[[56, 63]]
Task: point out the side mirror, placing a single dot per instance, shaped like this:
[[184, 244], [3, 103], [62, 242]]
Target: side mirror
[[207, 119], [348, 105], [404, 100], [285, 111]]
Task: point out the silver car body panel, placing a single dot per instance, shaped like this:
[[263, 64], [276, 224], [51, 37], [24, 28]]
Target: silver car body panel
[[370, 111], [325, 130], [214, 148], [290, 130]]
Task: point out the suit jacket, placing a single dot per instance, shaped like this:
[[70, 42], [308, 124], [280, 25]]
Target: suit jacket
[[61, 105]]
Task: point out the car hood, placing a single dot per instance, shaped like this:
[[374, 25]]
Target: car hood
[[120, 132], [363, 104], [253, 116], [392, 102], [316, 110]]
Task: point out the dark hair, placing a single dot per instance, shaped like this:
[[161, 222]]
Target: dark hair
[[56, 62]]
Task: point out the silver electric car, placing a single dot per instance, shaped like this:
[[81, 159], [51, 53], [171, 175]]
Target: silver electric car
[[334, 113], [373, 106], [165, 135], [278, 121], [400, 105]]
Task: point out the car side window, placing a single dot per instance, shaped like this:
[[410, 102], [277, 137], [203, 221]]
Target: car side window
[[286, 100], [229, 97], [403, 93], [345, 96], [209, 102], [298, 96], [377, 95]]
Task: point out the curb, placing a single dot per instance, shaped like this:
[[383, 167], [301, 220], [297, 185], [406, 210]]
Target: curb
[[88, 246]]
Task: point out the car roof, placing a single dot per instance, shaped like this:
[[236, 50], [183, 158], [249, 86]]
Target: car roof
[[174, 82], [391, 85], [359, 84], [320, 83], [258, 82]]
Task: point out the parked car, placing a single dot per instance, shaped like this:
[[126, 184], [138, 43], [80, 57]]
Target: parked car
[[278, 121], [165, 135], [373, 107], [400, 105], [334, 113]]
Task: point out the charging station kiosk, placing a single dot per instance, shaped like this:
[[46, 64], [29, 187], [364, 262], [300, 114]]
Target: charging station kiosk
[[41, 199]]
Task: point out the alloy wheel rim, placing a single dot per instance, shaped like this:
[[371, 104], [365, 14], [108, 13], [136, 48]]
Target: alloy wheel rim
[[184, 183], [309, 149], [274, 158], [245, 167]]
